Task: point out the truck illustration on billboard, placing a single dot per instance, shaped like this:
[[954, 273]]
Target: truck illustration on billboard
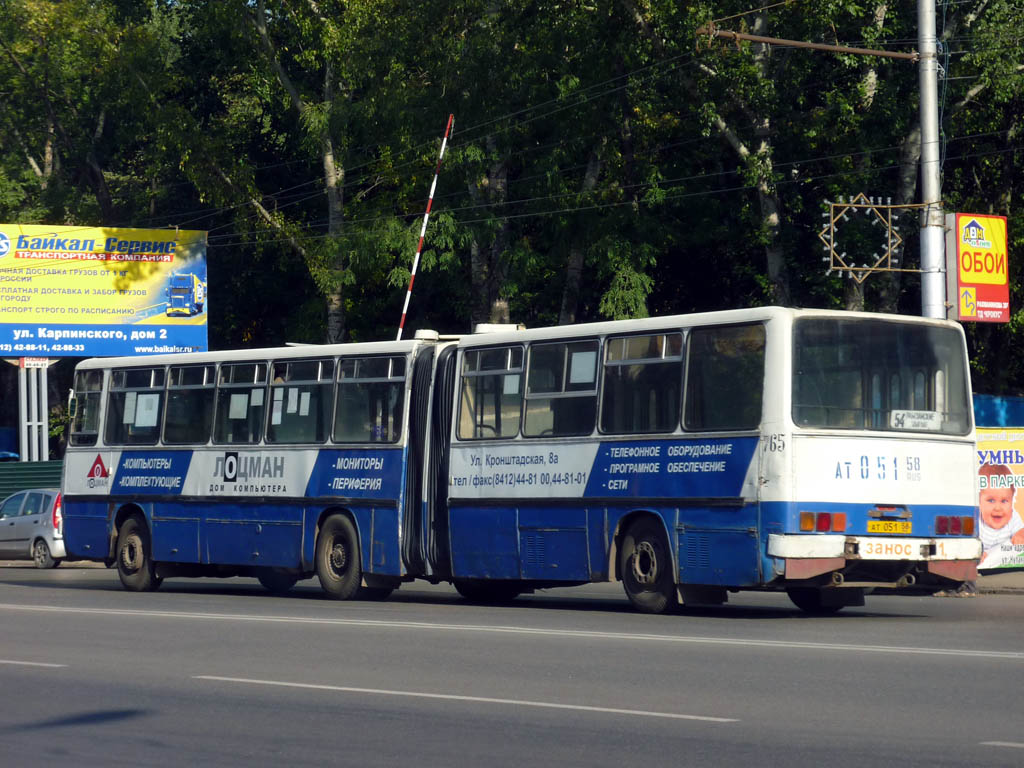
[[186, 294]]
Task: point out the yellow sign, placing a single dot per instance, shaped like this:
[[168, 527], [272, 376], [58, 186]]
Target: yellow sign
[[97, 291], [981, 249]]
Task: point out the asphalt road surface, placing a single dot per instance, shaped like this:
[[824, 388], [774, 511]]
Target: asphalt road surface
[[211, 673]]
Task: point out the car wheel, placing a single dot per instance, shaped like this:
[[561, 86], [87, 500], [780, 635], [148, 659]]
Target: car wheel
[[41, 555]]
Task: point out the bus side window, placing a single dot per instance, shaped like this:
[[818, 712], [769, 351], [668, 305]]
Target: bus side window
[[491, 393], [85, 424], [134, 406], [369, 400], [300, 401], [190, 395], [725, 377], [241, 403], [561, 389], [642, 383]]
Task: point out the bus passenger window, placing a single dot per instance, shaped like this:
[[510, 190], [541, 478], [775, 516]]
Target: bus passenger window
[[134, 406], [189, 413], [642, 383], [300, 401], [491, 393], [241, 403], [561, 389], [725, 377], [369, 400], [85, 422]]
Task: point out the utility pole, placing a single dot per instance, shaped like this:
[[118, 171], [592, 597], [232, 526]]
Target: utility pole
[[933, 281]]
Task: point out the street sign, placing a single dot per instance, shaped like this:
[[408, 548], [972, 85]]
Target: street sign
[[977, 268]]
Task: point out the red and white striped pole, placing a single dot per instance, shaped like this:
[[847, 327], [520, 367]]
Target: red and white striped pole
[[423, 229]]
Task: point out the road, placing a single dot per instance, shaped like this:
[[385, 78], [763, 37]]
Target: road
[[209, 672]]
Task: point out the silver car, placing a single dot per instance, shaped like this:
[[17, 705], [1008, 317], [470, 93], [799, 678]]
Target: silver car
[[32, 527]]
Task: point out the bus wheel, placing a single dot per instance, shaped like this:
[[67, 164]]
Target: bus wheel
[[809, 600], [646, 567], [337, 558], [277, 581], [134, 559], [487, 591]]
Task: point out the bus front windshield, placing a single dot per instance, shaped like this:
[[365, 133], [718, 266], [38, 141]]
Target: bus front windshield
[[879, 375]]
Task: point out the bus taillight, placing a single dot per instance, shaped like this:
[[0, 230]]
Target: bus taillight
[[822, 521], [954, 526]]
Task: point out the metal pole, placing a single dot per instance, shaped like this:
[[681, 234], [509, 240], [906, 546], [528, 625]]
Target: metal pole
[[933, 283], [44, 416], [33, 415], [22, 415]]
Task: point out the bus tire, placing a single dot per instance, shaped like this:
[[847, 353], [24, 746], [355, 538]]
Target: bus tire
[[809, 600], [487, 591], [135, 564], [646, 567], [337, 558], [276, 580]]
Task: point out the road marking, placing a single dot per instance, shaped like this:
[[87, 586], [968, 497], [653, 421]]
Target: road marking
[[474, 699], [31, 663], [1010, 744], [566, 633]]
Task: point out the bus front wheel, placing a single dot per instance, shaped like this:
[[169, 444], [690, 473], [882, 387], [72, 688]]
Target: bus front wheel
[[646, 567], [135, 564], [337, 558]]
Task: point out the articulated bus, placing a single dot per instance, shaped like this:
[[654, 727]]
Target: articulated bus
[[818, 453]]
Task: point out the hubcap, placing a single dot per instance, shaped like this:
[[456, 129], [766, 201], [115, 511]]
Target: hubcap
[[40, 553], [339, 556], [645, 563], [131, 554]]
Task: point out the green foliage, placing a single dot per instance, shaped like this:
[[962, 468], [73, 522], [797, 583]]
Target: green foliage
[[607, 132]]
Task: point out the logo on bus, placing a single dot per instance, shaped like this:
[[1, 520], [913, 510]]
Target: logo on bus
[[99, 475], [230, 467]]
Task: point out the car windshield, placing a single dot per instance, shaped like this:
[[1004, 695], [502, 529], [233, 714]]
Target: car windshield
[[879, 375]]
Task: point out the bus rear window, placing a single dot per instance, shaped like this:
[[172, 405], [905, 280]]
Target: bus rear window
[[877, 375]]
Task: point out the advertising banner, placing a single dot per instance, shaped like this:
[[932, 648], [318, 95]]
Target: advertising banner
[[101, 291], [1001, 498], [977, 283]]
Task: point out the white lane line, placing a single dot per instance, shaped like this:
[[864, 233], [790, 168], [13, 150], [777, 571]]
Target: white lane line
[[1010, 744], [474, 699], [567, 633], [31, 663]]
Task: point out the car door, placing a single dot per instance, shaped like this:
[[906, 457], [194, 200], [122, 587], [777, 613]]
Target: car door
[[29, 522], [10, 512]]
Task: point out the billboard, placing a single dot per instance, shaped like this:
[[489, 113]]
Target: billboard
[[1001, 498], [101, 291], [977, 283]]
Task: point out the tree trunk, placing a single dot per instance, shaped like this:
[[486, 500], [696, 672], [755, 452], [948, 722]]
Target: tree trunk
[[489, 263], [574, 267]]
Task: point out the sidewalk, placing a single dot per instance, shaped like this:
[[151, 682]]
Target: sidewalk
[[1002, 583]]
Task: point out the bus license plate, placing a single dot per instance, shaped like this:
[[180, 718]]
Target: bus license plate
[[889, 526]]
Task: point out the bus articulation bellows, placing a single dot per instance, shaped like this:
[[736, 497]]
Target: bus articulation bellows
[[814, 452]]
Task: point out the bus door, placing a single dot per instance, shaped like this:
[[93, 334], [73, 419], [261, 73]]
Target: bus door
[[413, 545], [436, 496]]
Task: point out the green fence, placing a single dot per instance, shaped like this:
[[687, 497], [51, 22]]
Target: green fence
[[19, 475]]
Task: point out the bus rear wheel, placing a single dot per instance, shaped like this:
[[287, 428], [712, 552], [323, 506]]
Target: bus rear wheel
[[276, 580], [337, 558], [135, 564], [812, 600], [646, 567]]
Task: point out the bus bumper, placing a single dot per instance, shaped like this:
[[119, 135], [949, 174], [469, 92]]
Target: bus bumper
[[808, 556]]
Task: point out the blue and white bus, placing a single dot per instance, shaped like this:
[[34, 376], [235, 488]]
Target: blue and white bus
[[818, 453]]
